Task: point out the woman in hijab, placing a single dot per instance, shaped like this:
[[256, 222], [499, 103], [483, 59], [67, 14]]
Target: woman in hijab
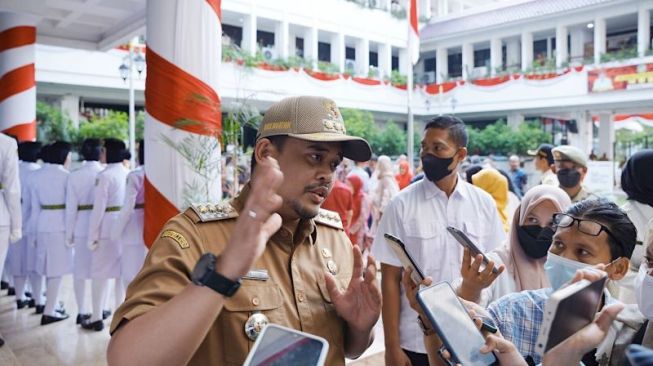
[[404, 176], [492, 182], [637, 182], [525, 254], [385, 191], [362, 205]]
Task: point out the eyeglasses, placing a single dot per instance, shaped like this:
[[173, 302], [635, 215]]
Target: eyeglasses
[[588, 227]]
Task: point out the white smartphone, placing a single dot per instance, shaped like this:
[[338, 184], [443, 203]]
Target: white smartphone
[[466, 242], [567, 311], [281, 346], [405, 258], [454, 326]]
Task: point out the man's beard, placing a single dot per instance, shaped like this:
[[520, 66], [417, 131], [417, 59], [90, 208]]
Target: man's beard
[[303, 212]]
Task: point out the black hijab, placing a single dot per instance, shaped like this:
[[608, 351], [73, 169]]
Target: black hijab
[[637, 177]]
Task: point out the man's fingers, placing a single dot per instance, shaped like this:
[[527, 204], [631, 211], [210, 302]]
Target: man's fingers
[[467, 259], [271, 225], [476, 264], [358, 262], [370, 271], [332, 286], [608, 315]]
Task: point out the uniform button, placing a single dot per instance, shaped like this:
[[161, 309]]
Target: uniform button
[[256, 301], [300, 297]]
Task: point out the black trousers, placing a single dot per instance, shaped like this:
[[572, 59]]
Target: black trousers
[[417, 359]]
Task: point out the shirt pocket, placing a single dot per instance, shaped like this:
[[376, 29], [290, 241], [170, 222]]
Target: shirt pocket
[[252, 297], [423, 242]]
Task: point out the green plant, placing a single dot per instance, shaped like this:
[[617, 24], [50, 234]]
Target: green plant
[[52, 124], [328, 68], [498, 138], [397, 78], [373, 72], [114, 125]]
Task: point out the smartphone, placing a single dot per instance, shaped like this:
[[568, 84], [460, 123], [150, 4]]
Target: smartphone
[[567, 311], [405, 258], [466, 242], [454, 326], [281, 346]]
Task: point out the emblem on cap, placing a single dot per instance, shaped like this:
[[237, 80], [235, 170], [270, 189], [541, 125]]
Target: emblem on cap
[[333, 122], [255, 324]]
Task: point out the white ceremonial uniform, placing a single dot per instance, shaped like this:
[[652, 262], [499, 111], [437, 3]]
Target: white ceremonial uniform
[[419, 216], [18, 252], [10, 213], [109, 196], [79, 203], [128, 229], [48, 195]]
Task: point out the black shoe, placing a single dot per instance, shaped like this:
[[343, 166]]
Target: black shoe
[[11, 291], [28, 294], [47, 319], [31, 303], [21, 304], [2, 342], [96, 325], [81, 318], [39, 309], [106, 314], [4, 285]]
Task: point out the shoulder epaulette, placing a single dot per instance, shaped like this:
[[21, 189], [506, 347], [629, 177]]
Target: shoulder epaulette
[[210, 212], [328, 218]]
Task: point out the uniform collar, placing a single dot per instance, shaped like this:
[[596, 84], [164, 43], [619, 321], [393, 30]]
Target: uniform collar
[[306, 230], [431, 190]]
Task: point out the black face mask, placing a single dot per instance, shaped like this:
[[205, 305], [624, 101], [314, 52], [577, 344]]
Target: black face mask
[[534, 240], [568, 178], [436, 168]]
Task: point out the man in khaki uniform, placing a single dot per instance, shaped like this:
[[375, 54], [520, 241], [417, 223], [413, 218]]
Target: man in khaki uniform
[[571, 169], [293, 262]]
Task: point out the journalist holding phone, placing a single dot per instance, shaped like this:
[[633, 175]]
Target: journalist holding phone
[[419, 215]]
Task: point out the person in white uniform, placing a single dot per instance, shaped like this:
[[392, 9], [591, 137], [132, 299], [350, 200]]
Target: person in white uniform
[[53, 258], [79, 203], [129, 227], [28, 153], [11, 221], [109, 195]]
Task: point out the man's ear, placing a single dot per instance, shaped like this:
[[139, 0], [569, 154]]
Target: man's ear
[[263, 149], [462, 153], [618, 269]]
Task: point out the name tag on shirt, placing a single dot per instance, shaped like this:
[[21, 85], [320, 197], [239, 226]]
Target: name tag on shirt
[[257, 275]]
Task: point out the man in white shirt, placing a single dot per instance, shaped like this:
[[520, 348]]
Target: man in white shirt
[[543, 162], [419, 216]]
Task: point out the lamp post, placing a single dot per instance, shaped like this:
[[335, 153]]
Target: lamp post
[[126, 69]]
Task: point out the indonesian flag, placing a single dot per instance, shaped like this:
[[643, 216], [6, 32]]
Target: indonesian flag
[[413, 32]]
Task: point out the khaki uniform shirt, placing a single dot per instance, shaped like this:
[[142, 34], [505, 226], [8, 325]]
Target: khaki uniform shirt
[[295, 295], [583, 194]]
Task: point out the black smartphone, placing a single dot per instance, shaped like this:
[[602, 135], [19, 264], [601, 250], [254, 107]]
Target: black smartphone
[[466, 242], [404, 257]]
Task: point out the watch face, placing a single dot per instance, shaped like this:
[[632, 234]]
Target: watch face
[[205, 265]]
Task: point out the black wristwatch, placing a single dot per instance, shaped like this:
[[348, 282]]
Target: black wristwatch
[[204, 274]]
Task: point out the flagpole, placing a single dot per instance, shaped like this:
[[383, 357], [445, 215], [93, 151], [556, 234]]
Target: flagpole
[[411, 134]]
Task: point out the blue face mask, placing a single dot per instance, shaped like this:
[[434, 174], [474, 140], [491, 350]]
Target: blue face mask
[[560, 270]]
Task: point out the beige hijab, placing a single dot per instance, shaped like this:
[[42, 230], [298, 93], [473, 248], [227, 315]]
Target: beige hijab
[[527, 272]]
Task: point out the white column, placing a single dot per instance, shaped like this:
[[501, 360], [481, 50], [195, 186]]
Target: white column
[[292, 46], [338, 50], [385, 60], [443, 7], [249, 34], [561, 45], [549, 48], [582, 139], [70, 107], [468, 60], [362, 56], [599, 39], [281, 39], [403, 61], [310, 46], [426, 9], [526, 50], [577, 43], [514, 120], [606, 134], [495, 55], [441, 64], [643, 31], [512, 52]]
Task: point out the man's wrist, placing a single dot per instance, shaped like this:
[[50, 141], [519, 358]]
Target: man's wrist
[[229, 267]]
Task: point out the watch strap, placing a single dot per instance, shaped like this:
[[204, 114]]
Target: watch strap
[[425, 329], [221, 284]]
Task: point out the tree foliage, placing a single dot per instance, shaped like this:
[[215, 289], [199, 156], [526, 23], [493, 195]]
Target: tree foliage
[[499, 139], [53, 125]]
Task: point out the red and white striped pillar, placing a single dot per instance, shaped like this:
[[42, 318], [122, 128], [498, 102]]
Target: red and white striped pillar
[[184, 48], [17, 82]]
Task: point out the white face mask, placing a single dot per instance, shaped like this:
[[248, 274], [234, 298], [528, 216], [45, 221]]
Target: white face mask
[[560, 270], [644, 291]]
